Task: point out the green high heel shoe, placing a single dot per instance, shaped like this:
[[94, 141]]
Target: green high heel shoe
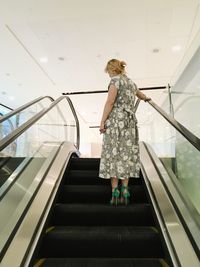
[[115, 196], [125, 195]]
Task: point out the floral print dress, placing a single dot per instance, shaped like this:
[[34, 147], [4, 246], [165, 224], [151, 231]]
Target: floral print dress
[[120, 149]]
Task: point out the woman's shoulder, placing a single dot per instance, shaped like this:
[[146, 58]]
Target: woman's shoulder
[[117, 77], [123, 80], [128, 79], [130, 82]]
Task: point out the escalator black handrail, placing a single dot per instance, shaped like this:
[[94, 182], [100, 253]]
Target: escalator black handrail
[[20, 130], [5, 106], [106, 91], [193, 139], [17, 110]]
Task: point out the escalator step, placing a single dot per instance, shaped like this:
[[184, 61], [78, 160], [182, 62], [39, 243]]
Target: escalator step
[[84, 230], [84, 163], [90, 177], [102, 215], [84, 177], [110, 241], [97, 194], [101, 262]]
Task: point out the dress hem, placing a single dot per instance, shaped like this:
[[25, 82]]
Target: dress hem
[[119, 178]]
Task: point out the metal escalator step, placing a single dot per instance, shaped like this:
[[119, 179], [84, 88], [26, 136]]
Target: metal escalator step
[[84, 230], [110, 241], [102, 215], [90, 177], [84, 163], [101, 262], [84, 177], [97, 194]]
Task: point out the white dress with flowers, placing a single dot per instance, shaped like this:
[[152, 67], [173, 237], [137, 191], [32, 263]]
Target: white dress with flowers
[[120, 149]]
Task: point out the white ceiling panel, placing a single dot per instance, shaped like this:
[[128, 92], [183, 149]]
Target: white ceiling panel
[[76, 38]]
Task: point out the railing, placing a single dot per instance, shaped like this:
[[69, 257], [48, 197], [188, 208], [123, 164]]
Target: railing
[[20, 130], [46, 129], [17, 110], [179, 151], [12, 120], [194, 140], [40, 141], [105, 91]]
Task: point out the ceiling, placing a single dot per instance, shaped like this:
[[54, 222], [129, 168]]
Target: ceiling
[[49, 47]]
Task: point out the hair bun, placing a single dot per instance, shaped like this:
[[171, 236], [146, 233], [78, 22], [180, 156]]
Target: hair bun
[[122, 63], [115, 66]]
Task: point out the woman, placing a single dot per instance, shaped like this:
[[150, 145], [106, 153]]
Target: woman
[[120, 150]]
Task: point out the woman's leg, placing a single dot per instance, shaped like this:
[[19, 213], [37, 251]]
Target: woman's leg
[[114, 183], [125, 195], [115, 191], [125, 182]]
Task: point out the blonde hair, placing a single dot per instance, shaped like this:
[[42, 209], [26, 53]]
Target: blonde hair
[[115, 66]]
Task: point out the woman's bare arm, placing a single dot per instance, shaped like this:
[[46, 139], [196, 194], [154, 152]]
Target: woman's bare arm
[[112, 93], [142, 96]]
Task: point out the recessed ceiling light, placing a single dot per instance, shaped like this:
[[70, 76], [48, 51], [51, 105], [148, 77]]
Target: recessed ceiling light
[[44, 59], [156, 50], [61, 58], [176, 48]]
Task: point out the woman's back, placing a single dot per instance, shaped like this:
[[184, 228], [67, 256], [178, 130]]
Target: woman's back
[[126, 91]]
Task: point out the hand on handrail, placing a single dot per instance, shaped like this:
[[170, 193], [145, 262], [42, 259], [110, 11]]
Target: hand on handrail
[[147, 99]]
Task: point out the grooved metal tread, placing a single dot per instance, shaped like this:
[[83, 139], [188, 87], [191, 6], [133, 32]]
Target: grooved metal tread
[[101, 262]]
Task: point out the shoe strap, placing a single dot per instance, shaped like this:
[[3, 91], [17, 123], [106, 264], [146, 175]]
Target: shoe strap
[[125, 191], [115, 192], [124, 187]]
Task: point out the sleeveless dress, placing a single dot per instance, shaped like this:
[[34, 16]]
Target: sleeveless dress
[[120, 149]]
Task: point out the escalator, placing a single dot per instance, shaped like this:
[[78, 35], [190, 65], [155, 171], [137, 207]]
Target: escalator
[[61, 216], [84, 230]]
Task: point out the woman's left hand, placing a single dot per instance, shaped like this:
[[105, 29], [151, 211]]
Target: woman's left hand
[[102, 128]]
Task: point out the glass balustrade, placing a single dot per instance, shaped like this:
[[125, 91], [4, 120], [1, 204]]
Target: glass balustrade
[[22, 169], [16, 120], [177, 154]]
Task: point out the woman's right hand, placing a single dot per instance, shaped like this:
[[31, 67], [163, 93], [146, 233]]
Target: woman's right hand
[[102, 128]]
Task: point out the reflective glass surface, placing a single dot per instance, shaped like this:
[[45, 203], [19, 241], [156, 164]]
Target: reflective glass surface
[[186, 109], [176, 153], [9, 125], [24, 162], [185, 95]]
